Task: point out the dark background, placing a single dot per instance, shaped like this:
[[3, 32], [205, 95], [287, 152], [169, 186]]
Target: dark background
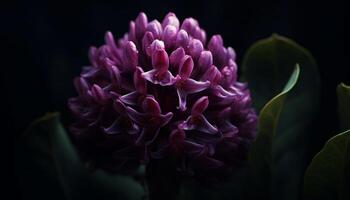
[[47, 44]]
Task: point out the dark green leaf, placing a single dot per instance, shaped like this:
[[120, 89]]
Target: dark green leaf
[[268, 64], [261, 154], [328, 176], [48, 168], [266, 67], [343, 92]]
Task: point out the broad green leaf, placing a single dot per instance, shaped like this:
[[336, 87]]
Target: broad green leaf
[[266, 68], [269, 62], [261, 154], [328, 176], [48, 167], [343, 92]]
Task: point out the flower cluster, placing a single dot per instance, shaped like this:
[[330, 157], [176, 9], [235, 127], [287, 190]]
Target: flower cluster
[[162, 92]]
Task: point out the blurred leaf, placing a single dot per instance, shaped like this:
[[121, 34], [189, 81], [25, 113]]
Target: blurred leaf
[[48, 168], [328, 176], [343, 92], [268, 63], [266, 67], [261, 154]]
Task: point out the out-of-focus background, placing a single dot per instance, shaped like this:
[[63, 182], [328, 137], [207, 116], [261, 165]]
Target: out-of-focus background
[[47, 45]]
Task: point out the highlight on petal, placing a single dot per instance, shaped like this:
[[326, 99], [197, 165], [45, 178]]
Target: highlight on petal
[[205, 61], [161, 78], [155, 28], [200, 106], [154, 46], [160, 60], [192, 86], [182, 38], [186, 67], [195, 48], [169, 36], [140, 24], [182, 96], [130, 98], [176, 57], [131, 54], [171, 19], [146, 42]]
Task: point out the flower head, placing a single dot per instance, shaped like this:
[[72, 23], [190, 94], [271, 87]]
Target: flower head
[[162, 92]]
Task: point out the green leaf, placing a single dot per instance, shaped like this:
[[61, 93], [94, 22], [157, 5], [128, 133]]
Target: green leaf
[[343, 92], [261, 154], [266, 67], [328, 176], [269, 62], [48, 167]]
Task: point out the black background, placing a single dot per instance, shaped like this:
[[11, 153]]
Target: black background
[[46, 44]]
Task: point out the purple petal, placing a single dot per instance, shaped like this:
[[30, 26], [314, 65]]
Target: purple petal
[[119, 107], [169, 36], [165, 119], [137, 117], [155, 28], [215, 45], [130, 56], [139, 81], [182, 39], [151, 106], [189, 25], [140, 24], [115, 75], [193, 86], [200, 106], [201, 35], [132, 32], [114, 128], [231, 53], [205, 61], [130, 98], [146, 42], [81, 85], [171, 19], [98, 94], [229, 75], [109, 40], [160, 60], [195, 48], [154, 46], [176, 57], [228, 129], [212, 74], [164, 79], [182, 96], [199, 123], [177, 136], [186, 67]]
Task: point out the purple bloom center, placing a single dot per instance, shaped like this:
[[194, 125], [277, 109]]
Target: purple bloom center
[[162, 92]]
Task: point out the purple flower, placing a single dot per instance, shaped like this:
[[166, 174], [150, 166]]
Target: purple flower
[[162, 92]]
